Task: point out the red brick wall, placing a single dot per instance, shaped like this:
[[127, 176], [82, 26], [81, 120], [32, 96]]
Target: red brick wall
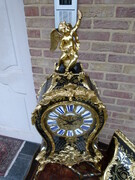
[[107, 36]]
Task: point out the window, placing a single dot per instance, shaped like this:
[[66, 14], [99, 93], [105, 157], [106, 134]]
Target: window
[[65, 2]]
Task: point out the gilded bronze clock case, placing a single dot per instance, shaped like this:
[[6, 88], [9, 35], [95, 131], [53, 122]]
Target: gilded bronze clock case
[[74, 87]]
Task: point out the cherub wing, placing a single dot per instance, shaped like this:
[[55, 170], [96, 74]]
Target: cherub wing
[[55, 39]]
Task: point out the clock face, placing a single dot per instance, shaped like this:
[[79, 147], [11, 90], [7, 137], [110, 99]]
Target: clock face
[[70, 119]]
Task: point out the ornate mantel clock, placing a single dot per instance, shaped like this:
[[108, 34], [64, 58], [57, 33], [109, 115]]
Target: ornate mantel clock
[[69, 114]]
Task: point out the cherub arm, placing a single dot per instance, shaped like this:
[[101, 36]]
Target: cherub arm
[[78, 22], [76, 40]]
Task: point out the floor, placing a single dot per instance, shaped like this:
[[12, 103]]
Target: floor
[[22, 163]]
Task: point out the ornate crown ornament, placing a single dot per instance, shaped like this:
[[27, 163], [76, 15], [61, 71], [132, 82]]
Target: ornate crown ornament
[[69, 115]]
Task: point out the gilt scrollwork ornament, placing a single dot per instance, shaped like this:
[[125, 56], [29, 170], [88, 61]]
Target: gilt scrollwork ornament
[[69, 120]]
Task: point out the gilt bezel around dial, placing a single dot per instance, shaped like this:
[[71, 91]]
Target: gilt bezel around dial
[[69, 119]]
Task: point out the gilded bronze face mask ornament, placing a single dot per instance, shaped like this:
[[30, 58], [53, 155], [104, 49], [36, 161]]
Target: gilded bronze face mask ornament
[[69, 43]]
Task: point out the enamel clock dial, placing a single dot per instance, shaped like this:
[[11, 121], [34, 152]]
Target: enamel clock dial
[[70, 119]]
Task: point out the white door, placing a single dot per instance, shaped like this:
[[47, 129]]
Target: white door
[[17, 95]]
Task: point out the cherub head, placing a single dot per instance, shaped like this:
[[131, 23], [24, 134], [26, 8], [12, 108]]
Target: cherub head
[[64, 27], [69, 27]]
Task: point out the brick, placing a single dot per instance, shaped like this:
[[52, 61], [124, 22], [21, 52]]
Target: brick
[[31, 11], [50, 54], [129, 69], [109, 137], [39, 43], [123, 116], [85, 24], [108, 100], [47, 11], [114, 1], [49, 70], [38, 70], [106, 125], [97, 11], [115, 121], [40, 22], [129, 134], [129, 129], [38, 80], [102, 135], [97, 36], [111, 24], [118, 94], [124, 102], [46, 33], [120, 78], [84, 46], [122, 128], [92, 56], [37, 85], [27, 2], [39, 61], [131, 49], [108, 132], [106, 67], [109, 47], [116, 108], [96, 75], [128, 12], [85, 1], [33, 33], [85, 65], [127, 87], [107, 85], [123, 37], [109, 113], [39, 77], [134, 27], [132, 111], [35, 52], [121, 59]]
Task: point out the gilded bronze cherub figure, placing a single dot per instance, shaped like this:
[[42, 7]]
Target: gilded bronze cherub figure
[[69, 43]]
